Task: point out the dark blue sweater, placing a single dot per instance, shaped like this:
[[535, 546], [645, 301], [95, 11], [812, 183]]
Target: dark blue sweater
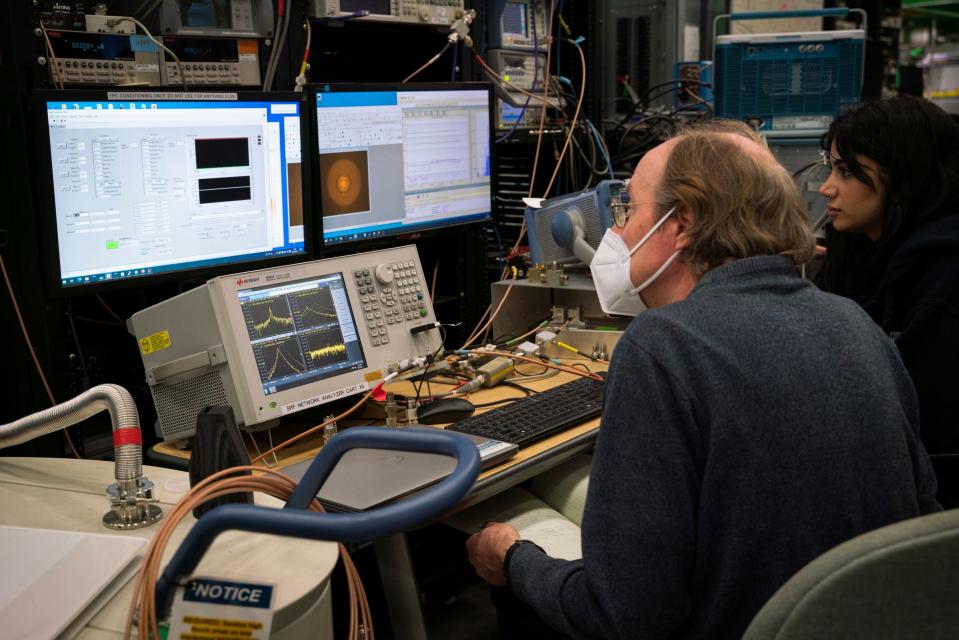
[[745, 431]]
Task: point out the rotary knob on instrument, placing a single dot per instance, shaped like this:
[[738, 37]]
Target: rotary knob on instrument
[[384, 273]]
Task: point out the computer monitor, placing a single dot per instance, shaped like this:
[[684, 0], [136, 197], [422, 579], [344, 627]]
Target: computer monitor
[[402, 158], [276, 341], [144, 186]]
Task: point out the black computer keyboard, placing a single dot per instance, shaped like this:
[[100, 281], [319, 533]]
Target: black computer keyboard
[[533, 418]]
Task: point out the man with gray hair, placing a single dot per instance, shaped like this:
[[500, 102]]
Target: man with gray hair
[[751, 422]]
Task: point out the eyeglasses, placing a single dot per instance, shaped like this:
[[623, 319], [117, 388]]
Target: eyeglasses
[[619, 205]]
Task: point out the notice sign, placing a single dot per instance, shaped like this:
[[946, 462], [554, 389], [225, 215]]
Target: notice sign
[[209, 609]]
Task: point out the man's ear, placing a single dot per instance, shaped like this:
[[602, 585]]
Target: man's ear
[[684, 222]]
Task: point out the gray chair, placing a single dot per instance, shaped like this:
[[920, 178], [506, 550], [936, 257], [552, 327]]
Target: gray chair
[[901, 581]]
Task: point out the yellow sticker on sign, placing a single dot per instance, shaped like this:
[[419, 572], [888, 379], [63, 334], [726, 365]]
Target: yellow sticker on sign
[[157, 342]]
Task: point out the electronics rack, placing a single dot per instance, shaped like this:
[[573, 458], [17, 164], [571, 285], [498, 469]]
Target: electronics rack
[[526, 70], [427, 12], [791, 88], [788, 85], [78, 46], [513, 24], [516, 34]]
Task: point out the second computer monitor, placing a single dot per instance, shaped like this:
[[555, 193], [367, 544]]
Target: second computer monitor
[[396, 159]]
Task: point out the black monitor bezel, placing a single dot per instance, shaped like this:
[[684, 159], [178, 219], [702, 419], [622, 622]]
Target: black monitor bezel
[[46, 203], [424, 231]]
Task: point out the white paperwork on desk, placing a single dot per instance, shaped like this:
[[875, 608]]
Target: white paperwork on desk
[[54, 582], [534, 519]]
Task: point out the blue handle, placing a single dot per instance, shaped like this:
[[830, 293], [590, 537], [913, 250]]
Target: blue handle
[[796, 13], [296, 521]]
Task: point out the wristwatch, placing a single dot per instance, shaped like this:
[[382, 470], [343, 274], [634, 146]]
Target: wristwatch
[[509, 556]]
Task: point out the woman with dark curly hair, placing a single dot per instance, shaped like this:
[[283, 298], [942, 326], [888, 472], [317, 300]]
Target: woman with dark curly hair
[[893, 245]]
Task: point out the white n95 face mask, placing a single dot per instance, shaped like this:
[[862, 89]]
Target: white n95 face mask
[[610, 269]]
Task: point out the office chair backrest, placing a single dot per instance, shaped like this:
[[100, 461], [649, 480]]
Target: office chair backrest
[[901, 581]]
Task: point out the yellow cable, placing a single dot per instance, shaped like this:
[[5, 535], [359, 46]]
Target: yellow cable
[[568, 347]]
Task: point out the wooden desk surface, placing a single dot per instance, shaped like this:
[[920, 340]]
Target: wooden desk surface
[[528, 462]]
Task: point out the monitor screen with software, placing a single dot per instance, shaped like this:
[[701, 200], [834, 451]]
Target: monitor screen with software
[[143, 187], [403, 158]]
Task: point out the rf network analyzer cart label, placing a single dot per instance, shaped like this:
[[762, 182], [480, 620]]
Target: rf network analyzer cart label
[[323, 399], [156, 342]]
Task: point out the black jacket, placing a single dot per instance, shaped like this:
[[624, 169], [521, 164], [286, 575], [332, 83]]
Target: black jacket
[[917, 303]]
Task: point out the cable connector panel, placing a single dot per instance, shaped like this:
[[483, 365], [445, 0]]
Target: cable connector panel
[[545, 336], [527, 349], [406, 364], [460, 30]]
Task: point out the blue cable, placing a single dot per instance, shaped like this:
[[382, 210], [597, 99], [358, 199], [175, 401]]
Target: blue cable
[[602, 148], [519, 118], [499, 242], [456, 55]]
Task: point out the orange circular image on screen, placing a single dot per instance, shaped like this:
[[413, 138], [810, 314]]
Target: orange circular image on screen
[[343, 176]]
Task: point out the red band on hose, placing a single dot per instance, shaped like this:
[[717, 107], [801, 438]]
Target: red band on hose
[[129, 435]]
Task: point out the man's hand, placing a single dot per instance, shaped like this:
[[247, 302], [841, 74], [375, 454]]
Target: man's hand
[[487, 550]]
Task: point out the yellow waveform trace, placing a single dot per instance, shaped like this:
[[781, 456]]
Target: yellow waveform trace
[[276, 362], [280, 320], [328, 350], [322, 314]]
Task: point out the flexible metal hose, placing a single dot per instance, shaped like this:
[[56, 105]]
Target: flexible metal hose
[[109, 397]]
